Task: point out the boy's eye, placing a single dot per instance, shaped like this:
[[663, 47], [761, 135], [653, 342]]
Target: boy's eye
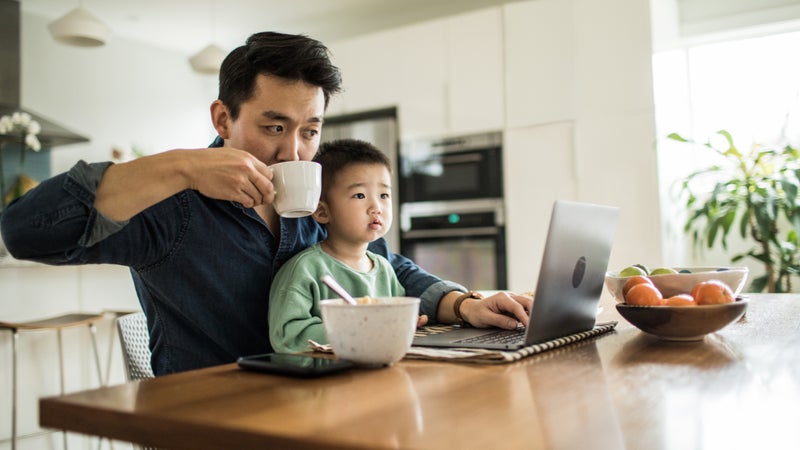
[[359, 195], [385, 196], [274, 128]]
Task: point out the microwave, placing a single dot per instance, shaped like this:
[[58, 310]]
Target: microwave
[[456, 168]]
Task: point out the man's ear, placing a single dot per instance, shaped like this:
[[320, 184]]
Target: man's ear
[[321, 214], [221, 118]]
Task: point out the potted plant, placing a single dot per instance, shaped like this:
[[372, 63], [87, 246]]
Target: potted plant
[[20, 130], [756, 193]]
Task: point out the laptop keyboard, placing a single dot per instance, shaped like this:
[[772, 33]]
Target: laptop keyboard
[[516, 336]]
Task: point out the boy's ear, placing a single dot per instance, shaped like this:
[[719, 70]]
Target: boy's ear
[[321, 214]]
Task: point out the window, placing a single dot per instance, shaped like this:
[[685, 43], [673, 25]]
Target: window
[[749, 87]]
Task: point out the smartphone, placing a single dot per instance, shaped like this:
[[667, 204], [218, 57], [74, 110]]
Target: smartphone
[[293, 364]]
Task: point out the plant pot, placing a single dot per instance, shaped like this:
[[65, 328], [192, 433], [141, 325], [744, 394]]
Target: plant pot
[[23, 184]]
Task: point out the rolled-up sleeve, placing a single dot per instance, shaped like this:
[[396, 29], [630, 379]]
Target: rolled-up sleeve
[[58, 216]]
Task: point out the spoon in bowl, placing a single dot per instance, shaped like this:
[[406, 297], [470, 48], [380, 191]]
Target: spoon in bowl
[[336, 287]]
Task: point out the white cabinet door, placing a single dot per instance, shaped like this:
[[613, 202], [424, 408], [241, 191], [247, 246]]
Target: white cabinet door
[[539, 56], [445, 76], [539, 167], [403, 67], [474, 45]]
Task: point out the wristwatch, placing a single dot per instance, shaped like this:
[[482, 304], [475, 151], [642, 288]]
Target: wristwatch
[[457, 306]]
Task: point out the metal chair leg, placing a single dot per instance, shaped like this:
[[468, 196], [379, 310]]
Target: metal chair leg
[[61, 376], [14, 340], [93, 330], [100, 381]]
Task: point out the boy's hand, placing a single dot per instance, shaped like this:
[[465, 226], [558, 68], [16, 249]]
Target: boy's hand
[[422, 321]]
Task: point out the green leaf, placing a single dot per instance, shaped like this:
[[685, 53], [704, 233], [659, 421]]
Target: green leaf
[[744, 224], [758, 284], [677, 137]]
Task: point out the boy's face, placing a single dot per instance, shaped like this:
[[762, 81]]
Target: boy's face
[[281, 122], [357, 207]]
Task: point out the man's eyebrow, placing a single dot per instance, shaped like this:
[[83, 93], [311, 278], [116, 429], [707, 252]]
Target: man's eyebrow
[[275, 115]]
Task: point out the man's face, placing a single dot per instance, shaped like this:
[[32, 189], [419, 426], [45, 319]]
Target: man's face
[[281, 122]]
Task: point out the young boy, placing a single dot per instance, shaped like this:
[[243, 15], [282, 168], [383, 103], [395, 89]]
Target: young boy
[[356, 208]]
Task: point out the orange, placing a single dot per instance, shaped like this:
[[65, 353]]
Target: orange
[[680, 300], [633, 281], [712, 292], [644, 294]]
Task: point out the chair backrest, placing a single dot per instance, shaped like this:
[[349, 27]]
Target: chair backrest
[[135, 340]]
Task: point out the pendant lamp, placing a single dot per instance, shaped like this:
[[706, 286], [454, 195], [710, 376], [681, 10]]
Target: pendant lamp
[[208, 60], [80, 28]]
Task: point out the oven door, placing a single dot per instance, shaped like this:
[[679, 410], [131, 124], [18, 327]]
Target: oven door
[[472, 257], [466, 247]]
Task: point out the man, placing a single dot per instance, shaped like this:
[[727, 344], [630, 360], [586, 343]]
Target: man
[[197, 227]]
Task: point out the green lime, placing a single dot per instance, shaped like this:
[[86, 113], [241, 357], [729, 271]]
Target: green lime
[[632, 271], [663, 271], [643, 267]]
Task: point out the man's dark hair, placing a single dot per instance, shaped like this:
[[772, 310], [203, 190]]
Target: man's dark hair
[[290, 56], [336, 155]]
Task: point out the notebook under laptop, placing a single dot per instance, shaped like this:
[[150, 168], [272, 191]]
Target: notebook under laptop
[[568, 290]]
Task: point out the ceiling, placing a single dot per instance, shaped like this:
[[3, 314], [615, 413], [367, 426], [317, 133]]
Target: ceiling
[[189, 25]]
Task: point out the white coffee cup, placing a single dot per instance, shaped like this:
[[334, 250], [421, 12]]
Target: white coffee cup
[[298, 185]]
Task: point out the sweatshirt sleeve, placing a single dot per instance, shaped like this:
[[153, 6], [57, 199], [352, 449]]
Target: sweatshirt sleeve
[[294, 309]]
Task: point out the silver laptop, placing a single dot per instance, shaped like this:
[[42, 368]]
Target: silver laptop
[[570, 282]]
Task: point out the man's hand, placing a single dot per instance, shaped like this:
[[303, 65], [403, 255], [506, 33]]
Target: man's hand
[[503, 310], [231, 174]]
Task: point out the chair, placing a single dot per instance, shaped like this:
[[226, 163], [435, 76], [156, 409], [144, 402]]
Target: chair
[[113, 334], [135, 340], [57, 323]]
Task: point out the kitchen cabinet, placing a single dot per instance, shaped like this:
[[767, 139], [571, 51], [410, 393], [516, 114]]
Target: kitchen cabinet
[[445, 76], [475, 73], [539, 62], [403, 67], [539, 168]]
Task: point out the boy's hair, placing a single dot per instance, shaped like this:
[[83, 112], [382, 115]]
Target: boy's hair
[[289, 56], [336, 155]]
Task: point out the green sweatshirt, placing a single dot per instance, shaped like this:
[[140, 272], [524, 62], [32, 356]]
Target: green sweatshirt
[[294, 313]]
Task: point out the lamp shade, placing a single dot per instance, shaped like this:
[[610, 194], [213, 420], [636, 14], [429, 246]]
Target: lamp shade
[[80, 28], [208, 60]]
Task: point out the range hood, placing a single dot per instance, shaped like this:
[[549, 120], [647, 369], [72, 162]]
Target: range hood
[[52, 134]]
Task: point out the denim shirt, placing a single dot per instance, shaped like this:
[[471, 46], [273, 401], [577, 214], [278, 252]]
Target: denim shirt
[[202, 268]]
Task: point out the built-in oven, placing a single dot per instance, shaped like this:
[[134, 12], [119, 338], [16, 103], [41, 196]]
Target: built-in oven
[[455, 168], [452, 218]]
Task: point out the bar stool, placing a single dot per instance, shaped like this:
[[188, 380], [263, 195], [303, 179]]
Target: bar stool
[[57, 323]]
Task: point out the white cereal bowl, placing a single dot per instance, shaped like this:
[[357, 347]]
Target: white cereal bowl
[[374, 334], [682, 283]]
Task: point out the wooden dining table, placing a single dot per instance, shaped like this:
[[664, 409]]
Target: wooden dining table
[[736, 388]]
